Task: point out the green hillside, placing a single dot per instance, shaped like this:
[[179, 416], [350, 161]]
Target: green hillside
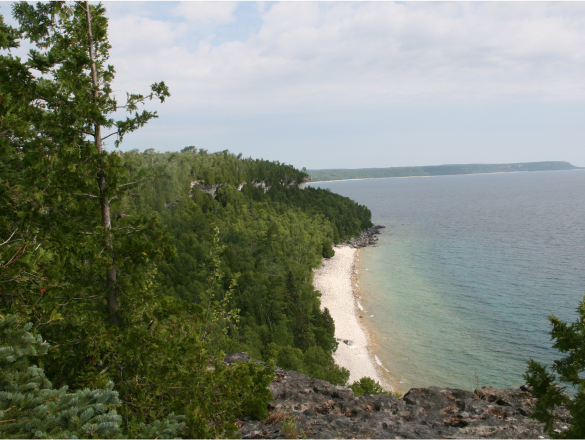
[[436, 170]]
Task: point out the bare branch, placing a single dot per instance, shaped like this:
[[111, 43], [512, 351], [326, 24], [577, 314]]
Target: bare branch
[[128, 227], [86, 195], [111, 134], [138, 181], [19, 252], [2, 244]]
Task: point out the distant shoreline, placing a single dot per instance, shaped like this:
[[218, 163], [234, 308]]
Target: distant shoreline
[[438, 175], [336, 175]]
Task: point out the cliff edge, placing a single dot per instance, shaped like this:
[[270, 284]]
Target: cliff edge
[[303, 406]]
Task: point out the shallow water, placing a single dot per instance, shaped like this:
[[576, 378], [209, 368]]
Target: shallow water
[[467, 270]]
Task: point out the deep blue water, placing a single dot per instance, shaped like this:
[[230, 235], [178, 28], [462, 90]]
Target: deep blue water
[[467, 271]]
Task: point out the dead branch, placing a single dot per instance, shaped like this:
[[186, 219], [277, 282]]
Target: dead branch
[[2, 244]]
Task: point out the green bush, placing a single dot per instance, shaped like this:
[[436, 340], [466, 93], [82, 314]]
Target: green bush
[[31, 408], [570, 339], [366, 385], [327, 251]]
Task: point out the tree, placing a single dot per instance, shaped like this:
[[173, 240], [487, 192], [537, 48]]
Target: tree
[[70, 264], [77, 105], [327, 250], [20, 197], [570, 339]]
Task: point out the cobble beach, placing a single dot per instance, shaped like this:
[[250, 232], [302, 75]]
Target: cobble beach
[[335, 280]]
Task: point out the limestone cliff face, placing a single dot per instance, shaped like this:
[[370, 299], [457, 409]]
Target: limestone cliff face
[[314, 408], [209, 189], [212, 189]]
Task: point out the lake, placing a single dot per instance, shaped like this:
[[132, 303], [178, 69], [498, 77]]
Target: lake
[[458, 290]]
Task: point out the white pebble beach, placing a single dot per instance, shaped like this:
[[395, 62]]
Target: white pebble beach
[[334, 280]]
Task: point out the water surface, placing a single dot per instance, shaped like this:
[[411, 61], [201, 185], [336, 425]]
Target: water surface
[[467, 271]]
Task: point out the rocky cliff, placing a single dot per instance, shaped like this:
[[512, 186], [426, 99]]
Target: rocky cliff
[[314, 408], [212, 189]]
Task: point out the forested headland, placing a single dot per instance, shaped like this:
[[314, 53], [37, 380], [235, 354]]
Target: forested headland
[[126, 276], [437, 170]]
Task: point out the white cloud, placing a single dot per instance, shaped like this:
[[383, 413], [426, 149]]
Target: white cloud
[[361, 53], [352, 57], [206, 14]]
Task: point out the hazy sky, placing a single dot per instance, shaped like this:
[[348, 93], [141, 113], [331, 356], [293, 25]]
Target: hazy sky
[[354, 85]]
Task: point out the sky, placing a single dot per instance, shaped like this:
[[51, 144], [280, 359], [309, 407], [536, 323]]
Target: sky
[[357, 84]]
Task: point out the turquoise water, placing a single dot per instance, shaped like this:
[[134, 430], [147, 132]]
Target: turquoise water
[[467, 271]]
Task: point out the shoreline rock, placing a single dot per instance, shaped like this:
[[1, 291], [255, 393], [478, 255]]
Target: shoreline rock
[[314, 408], [367, 237]]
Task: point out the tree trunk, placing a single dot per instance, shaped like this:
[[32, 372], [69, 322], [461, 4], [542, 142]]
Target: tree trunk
[[112, 290]]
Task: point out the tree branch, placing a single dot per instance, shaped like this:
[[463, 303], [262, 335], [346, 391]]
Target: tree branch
[[111, 134], [2, 244], [86, 195], [129, 227], [133, 183]]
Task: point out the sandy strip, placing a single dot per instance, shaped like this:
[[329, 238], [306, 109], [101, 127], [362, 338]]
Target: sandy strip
[[334, 280]]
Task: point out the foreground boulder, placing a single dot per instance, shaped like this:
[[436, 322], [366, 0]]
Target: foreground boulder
[[314, 408]]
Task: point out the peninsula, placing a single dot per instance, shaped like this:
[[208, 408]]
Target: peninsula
[[436, 170]]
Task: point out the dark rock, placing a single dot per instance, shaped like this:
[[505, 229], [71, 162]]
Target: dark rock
[[506, 397], [322, 410], [366, 238], [236, 357]]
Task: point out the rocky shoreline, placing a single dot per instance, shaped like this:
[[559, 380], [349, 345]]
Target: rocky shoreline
[[366, 238], [314, 408]]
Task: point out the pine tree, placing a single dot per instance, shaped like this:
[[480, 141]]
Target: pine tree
[[570, 339], [21, 174], [64, 187], [31, 408], [71, 52]]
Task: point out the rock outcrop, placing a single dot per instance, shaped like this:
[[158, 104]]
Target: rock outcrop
[[314, 408], [302, 184], [366, 238], [209, 189], [212, 189]]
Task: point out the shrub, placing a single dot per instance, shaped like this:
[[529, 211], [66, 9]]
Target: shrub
[[31, 408], [366, 385], [570, 339]]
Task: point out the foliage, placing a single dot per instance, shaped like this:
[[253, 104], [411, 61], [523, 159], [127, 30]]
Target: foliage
[[347, 218], [327, 251], [366, 385], [570, 339], [272, 239], [31, 407], [289, 427]]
